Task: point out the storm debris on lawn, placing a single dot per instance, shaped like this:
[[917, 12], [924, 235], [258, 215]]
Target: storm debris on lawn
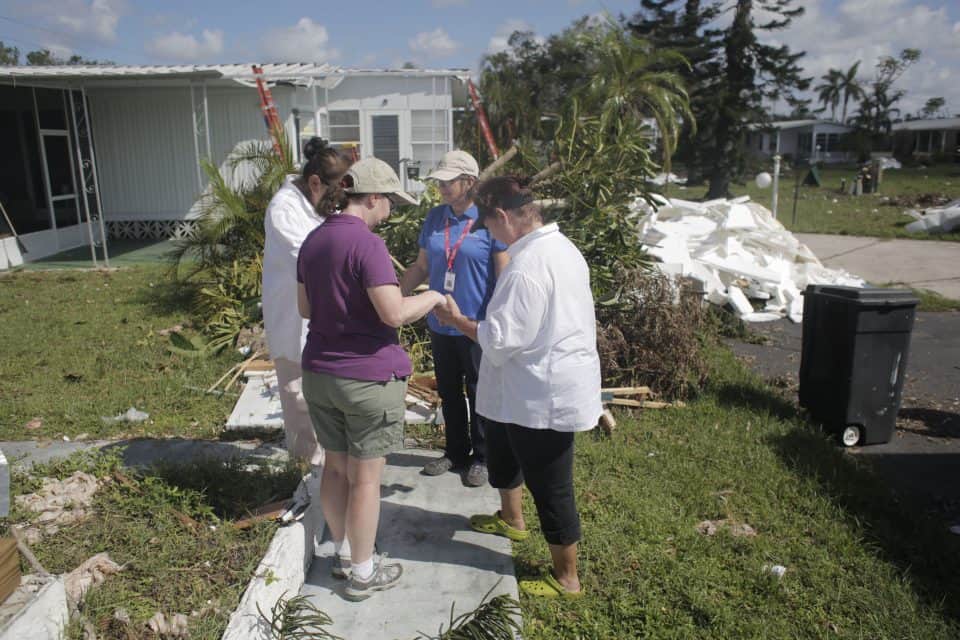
[[58, 503], [738, 253], [935, 219], [173, 627], [92, 572], [736, 529], [130, 415]]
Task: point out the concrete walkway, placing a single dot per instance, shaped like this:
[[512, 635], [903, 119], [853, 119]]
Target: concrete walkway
[[921, 264], [423, 525]]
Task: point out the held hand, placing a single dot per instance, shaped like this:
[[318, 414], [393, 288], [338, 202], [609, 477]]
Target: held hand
[[445, 312], [452, 309]]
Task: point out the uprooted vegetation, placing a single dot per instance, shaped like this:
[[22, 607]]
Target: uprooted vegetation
[[652, 335]]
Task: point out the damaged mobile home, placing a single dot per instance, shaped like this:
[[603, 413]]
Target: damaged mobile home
[[117, 150]]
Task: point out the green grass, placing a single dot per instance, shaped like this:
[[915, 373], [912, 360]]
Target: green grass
[[80, 345], [933, 301], [826, 210], [170, 529], [860, 563]]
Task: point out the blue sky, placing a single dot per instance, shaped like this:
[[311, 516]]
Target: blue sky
[[451, 33]]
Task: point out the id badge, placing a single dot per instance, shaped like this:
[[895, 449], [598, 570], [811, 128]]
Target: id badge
[[449, 279]]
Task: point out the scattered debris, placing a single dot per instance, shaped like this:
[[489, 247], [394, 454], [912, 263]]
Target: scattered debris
[[58, 503], [92, 572], [177, 328], [34, 424], [936, 219], [737, 252], [130, 415], [736, 529], [777, 570], [174, 627]]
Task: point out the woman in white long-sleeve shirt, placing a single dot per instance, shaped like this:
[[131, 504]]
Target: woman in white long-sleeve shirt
[[539, 380], [300, 206]]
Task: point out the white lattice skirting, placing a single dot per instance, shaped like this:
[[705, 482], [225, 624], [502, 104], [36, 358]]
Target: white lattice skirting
[[149, 229]]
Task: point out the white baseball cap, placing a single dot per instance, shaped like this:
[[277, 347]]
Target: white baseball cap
[[372, 175], [455, 164]]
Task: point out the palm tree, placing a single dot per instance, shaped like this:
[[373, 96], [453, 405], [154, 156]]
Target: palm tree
[[222, 259], [633, 79], [828, 92], [849, 87]]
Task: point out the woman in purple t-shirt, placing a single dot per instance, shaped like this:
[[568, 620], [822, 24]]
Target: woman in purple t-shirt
[[354, 369]]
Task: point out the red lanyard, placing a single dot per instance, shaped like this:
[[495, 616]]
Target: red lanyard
[[452, 254]]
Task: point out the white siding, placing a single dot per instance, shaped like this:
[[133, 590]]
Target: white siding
[[145, 156], [145, 146], [144, 143]]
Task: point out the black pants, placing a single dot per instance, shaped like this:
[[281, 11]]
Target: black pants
[[456, 360], [543, 459]]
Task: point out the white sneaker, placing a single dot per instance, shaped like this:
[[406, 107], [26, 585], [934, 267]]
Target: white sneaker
[[297, 507]]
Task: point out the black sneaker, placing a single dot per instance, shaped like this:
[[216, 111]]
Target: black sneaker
[[477, 475], [385, 576], [438, 466]]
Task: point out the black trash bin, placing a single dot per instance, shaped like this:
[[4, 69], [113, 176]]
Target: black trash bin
[[853, 358]]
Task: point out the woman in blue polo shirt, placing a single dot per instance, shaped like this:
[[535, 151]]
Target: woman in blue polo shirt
[[462, 259]]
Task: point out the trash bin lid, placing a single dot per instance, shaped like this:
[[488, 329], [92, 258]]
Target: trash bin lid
[[871, 295]]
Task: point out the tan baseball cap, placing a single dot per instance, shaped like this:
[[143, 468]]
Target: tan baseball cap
[[455, 164], [372, 175]]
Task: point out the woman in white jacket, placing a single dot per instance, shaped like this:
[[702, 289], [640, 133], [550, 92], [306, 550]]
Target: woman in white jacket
[[300, 206], [539, 380]]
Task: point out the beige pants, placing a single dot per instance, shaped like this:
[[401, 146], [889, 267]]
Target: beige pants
[[297, 427]]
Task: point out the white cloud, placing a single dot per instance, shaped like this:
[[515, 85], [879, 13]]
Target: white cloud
[[95, 20], [305, 41], [836, 37], [433, 44], [501, 36], [187, 48], [446, 4]]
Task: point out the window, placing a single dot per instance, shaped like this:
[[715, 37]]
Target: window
[[928, 141], [429, 136], [828, 142], [805, 142], [344, 127]]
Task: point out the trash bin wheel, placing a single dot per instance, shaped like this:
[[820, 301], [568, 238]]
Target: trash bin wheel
[[851, 435]]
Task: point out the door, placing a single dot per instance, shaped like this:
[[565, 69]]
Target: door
[[385, 130], [57, 161]]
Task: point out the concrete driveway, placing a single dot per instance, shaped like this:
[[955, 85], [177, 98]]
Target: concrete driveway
[[921, 264]]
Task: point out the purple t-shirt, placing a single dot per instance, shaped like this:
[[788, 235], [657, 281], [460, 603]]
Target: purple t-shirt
[[338, 262]]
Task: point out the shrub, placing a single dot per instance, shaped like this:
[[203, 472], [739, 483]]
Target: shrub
[[652, 336]]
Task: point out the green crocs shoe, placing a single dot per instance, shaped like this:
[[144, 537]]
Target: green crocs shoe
[[548, 587], [496, 525]]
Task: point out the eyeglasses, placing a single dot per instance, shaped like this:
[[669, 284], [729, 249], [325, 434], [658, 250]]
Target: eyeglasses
[[391, 199], [449, 183]]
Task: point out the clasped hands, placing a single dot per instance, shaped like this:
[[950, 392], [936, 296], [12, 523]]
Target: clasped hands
[[447, 311]]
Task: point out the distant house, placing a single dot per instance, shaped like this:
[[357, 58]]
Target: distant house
[[928, 138], [801, 140], [122, 145]]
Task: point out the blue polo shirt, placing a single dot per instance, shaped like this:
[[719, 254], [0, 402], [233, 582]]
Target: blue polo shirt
[[473, 264]]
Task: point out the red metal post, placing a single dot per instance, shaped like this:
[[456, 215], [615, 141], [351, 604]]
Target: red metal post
[[482, 120]]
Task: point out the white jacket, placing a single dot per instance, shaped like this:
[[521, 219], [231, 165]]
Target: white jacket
[[290, 218], [540, 367]]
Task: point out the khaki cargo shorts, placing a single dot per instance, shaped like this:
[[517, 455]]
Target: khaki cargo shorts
[[359, 417]]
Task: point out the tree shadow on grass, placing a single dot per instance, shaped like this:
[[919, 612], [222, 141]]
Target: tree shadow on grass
[[756, 398], [918, 544], [168, 297]]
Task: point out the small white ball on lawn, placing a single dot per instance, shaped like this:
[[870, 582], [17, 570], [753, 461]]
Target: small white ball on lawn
[[764, 180]]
